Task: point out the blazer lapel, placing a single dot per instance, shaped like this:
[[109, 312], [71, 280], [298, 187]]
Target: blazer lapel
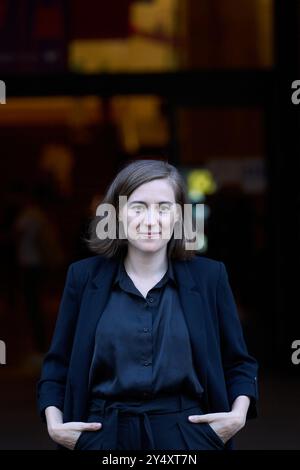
[[92, 306], [193, 307]]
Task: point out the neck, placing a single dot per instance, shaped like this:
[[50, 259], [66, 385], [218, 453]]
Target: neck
[[148, 265]]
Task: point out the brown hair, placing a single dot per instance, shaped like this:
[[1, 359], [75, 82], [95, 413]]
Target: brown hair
[[130, 177]]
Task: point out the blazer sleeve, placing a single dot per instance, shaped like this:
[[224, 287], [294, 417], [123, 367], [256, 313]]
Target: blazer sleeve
[[52, 383], [240, 368]]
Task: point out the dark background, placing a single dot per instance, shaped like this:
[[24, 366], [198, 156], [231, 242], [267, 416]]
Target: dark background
[[203, 84]]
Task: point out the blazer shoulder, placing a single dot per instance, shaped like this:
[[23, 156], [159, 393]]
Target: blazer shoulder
[[206, 267], [86, 267], [204, 262], [87, 263]]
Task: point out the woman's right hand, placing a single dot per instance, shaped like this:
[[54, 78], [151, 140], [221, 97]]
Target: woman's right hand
[[67, 434]]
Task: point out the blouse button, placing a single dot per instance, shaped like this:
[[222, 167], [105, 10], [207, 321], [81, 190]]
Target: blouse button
[[147, 363], [151, 299], [146, 330]]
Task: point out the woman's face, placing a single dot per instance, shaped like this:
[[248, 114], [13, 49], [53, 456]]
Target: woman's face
[[149, 215]]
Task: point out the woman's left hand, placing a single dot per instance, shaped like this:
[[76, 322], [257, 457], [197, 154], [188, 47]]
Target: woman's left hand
[[225, 425]]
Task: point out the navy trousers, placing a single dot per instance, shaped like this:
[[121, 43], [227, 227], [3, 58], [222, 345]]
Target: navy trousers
[[160, 423]]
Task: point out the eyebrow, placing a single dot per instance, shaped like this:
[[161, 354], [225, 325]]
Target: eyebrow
[[143, 202]]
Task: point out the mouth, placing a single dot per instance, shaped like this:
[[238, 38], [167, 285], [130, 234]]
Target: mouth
[[151, 234]]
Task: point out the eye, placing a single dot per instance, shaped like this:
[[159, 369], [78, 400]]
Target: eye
[[164, 208], [138, 208]]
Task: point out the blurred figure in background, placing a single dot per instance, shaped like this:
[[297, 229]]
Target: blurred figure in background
[[12, 203], [38, 250]]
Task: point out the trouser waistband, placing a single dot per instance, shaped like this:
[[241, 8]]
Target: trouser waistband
[[112, 410], [159, 404]]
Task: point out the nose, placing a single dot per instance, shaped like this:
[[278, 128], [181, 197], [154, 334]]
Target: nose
[[151, 217]]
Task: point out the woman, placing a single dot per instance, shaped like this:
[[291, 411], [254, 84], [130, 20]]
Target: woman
[[148, 350]]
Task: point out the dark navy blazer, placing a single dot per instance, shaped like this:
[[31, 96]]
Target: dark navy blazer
[[225, 368]]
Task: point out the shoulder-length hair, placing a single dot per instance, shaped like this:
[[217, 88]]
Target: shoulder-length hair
[[130, 177]]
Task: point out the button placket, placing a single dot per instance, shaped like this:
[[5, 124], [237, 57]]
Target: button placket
[[146, 357]]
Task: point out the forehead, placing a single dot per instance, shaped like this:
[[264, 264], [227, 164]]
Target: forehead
[[153, 191]]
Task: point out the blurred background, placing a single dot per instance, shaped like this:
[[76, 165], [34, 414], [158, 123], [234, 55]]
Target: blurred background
[[203, 84]]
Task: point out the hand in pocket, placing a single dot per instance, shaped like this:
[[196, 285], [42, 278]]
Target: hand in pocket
[[67, 434]]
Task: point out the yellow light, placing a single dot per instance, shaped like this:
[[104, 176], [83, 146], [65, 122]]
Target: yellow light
[[200, 182]]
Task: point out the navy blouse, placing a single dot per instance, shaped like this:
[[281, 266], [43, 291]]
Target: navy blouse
[[142, 345]]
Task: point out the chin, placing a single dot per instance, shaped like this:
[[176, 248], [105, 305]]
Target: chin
[[148, 245]]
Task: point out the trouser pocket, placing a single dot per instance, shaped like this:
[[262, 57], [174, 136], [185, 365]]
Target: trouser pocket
[[198, 436], [90, 440], [214, 434], [78, 442]]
